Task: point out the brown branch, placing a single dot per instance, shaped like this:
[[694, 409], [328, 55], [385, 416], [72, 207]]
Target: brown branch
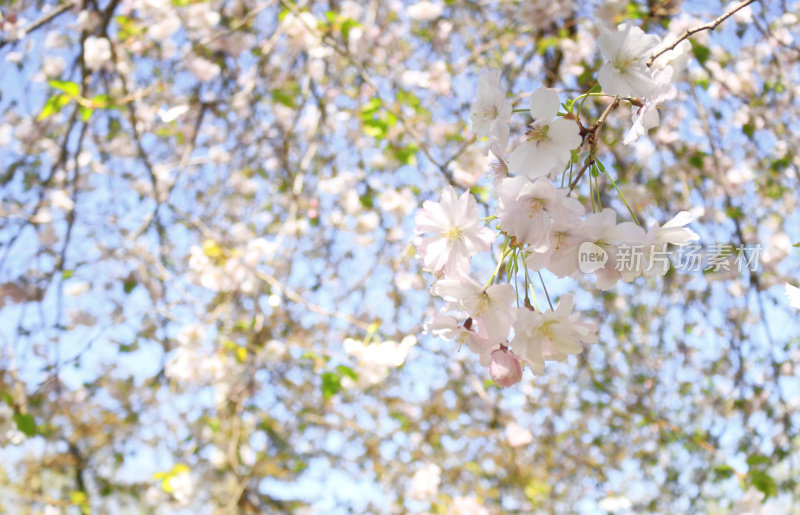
[[365, 76], [690, 32], [44, 19], [593, 133], [299, 299]]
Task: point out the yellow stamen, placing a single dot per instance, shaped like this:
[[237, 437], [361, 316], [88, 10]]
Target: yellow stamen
[[453, 234], [537, 206]]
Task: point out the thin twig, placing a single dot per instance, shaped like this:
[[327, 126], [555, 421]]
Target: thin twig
[[365, 76], [690, 32], [44, 19], [545, 291], [593, 133], [299, 299]]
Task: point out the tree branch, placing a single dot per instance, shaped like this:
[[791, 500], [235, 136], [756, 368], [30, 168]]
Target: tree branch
[[44, 19], [691, 32], [593, 133]]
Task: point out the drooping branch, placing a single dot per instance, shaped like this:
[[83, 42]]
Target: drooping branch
[[691, 32], [591, 135], [44, 19]]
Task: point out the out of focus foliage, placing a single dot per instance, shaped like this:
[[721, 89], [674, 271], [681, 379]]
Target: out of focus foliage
[[209, 301]]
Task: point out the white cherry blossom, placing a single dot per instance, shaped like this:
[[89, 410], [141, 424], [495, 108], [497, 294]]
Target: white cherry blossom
[[549, 141], [601, 229], [505, 368], [491, 110], [490, 307], [446, 327], [626, 51], [793, 294], [646, 117], [527, 210], [455, 233], [96, 52], [551, 335]]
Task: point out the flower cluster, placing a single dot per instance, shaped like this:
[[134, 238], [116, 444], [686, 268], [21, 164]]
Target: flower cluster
[[542, 226]]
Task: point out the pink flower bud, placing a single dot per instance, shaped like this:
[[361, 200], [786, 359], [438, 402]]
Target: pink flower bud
[[505, 368]]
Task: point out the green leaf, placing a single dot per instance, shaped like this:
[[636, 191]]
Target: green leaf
[[331, 384], [702, 53], [697, 159], [80, 498], [370, 108], [724, 471], [600, 166], [310, 354], [410, 99], [734, 212], [543, 44], [636, 11], [703, 83], [86, 113], [25, 423], [757, 459], [536, 491], [366, 200], [103, 101], [749, 129], [128, 286], [376, 128], [53, 105], [70, 88], [763, 482], [407, 155], [347, 371], [283, 97], [347, 26], [66, 274]]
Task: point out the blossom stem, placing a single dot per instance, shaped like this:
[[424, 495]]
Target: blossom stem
[[597, 192], [528, 285], [545, 290], [506, 250], [613, 183], [593, 133]]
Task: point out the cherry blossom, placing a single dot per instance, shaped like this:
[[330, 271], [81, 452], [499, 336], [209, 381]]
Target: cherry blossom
[[601, 229], [447, 327], [561, 257], [651, 247], [626, 51], [793, 294], [505, 368], [526, 210], [457, 234], [97, 52], [491, 110], [549, 141], [674, 231], [489, 307], [645, 117], [551, 335]]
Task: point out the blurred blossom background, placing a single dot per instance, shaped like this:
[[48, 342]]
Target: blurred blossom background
[[209, 296]]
